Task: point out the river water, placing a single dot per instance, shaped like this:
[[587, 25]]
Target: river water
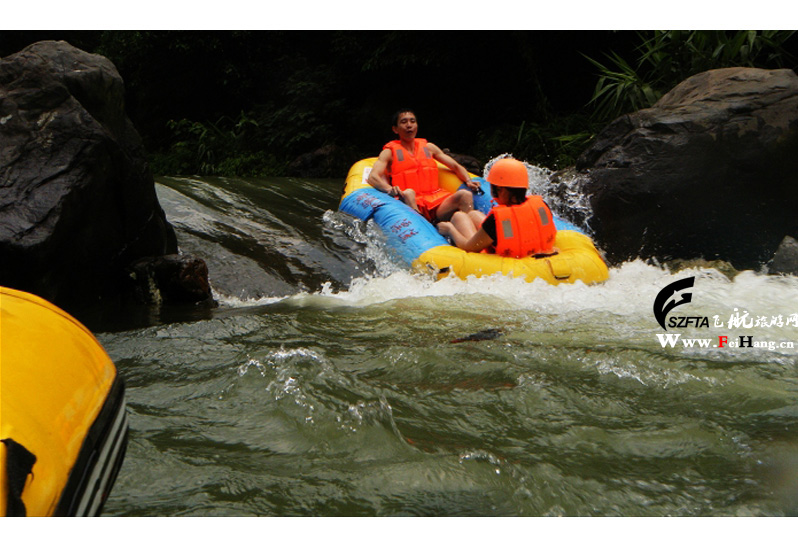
[[330, 381]]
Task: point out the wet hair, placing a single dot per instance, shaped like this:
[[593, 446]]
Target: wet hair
[[395, 118], [517, 194]]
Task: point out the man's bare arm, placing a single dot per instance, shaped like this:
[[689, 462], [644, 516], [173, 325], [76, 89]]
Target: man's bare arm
[[378, 177], [458, 169]]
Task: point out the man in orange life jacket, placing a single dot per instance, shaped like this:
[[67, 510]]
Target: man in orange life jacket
[[406, 168], [519, 226]]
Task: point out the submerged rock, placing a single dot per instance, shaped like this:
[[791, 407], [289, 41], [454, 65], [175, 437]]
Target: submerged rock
[[77, 199], [723, 267], [710, 171], [785, 260], [470, 163], [170, 279], [487, 334]]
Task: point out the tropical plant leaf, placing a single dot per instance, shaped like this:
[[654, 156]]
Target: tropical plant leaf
[[665, 58]]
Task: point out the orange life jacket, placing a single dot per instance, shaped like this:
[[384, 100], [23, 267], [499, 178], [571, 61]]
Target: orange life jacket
[[524, 229], [418, 171]]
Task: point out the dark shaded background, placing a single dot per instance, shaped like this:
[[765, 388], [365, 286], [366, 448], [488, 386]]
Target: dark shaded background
[[459, 82], [475, 92]]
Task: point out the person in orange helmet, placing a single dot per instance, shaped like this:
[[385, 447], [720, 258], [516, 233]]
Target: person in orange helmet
[[406, 168], [517, 227]]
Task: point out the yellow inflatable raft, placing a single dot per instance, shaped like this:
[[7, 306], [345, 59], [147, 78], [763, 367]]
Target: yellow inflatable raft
[[423, 248], [63, 423]]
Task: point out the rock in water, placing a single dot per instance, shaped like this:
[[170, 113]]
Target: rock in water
[[487, 334], [77, 199], [174, 278], [785, 260], [710, 171]]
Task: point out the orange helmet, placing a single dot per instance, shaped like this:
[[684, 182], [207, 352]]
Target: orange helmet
[[508, 172]]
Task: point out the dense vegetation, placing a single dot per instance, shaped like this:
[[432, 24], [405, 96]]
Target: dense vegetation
[[249, 102]]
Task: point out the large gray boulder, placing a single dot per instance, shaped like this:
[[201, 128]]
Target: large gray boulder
[[77, 199], [710, 171]]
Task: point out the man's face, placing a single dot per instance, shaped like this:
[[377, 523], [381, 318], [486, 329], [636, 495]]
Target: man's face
[[406, 126]]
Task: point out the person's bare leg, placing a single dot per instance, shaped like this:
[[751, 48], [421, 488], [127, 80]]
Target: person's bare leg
[[464, 224], [477, 217], [461, 200]]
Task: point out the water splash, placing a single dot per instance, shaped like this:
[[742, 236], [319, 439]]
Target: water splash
[[562, 191], [373, 255]]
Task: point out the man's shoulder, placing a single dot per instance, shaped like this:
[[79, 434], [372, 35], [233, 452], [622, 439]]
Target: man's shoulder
[[430, 146]]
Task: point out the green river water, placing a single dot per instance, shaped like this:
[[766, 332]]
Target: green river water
[[327, 382]]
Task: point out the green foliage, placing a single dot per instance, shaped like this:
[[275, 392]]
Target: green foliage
[[477, 92], [554, 143], [620, 90], [224, 147], [665, 58], [302, 114], [288, 83]]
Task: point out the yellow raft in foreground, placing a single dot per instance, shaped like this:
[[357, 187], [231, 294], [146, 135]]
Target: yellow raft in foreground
[[63, 423], [420, 245]]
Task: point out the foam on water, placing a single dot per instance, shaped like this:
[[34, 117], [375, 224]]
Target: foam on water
[[616, 313], [629, 291]]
